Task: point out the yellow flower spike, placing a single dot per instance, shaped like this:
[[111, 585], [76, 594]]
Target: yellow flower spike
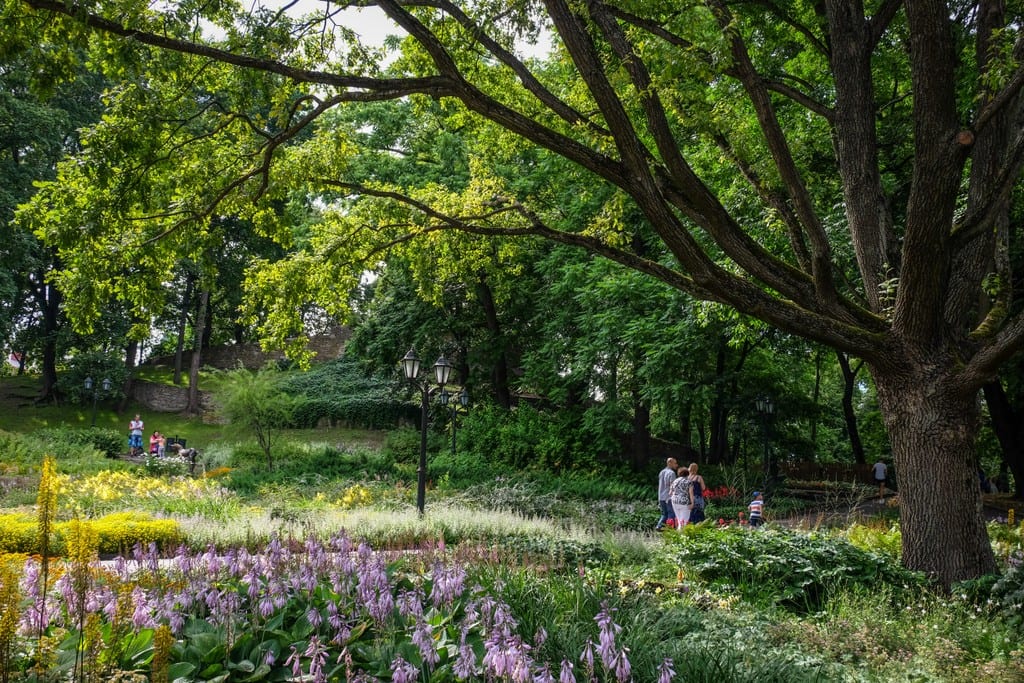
[[680, 575], [1009, 517]]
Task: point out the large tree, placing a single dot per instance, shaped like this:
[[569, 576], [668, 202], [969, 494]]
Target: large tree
[[840, 171]]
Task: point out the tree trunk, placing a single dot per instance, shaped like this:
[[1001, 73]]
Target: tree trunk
[[1008, 425], [932, 423], [718, 448], [641, 433], [849, 384], [50, 301], [179, 347], [193, 374], [499, 372]]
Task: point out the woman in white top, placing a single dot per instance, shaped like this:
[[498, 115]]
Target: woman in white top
[[682, 497]]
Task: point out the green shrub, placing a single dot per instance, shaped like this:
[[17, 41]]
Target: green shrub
[[107, 441], [339, 392], [530, 439], [1008, 593], [797, 571]]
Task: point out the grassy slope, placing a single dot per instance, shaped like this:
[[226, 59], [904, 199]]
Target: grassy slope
[[20, 413]]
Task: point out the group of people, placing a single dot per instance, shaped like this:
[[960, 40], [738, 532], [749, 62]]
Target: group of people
[[157, 441], [681, 497]]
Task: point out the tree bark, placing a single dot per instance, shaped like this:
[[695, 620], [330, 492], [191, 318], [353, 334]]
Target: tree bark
[[932, 423]]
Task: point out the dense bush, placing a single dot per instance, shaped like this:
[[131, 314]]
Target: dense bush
[[527, 438], [107, 441], [304, 464], [340, 392], [1008, 592], [77, 449], [798, 571]]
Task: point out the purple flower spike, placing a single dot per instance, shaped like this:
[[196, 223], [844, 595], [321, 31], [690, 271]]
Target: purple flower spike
[[665, 671], [566, 675], [402, 671]]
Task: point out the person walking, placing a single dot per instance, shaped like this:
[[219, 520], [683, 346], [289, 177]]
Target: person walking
[[879, 470], [682, 497], [697, 515], [665, 479], [755, 510]]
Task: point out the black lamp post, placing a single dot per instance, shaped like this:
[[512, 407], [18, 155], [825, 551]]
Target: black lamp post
[[463, 402], [411, 370], [91, 386], [765, 408]]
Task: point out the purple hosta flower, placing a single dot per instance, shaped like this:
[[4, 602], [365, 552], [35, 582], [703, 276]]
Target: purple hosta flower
[[334, 619], [606, 638], [251, 581], [269, 658], [265, 608], [566, 675], [176, 622], [587, 657], [543, 675], [410, 603], [295, 662], [449, 583], [314, 617], [665, 671], [317, 654], [465, 663], [623, 669], [403, 672], [374, 588], [507, 656], [540, 637], [142, 615], [423, 638]]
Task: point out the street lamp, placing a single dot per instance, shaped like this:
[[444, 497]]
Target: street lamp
[[91, 386], [463, 401], [765, 408], [411, 369]]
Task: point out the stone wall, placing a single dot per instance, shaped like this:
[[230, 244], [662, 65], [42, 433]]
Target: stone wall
[[327, 346], [166, 398]]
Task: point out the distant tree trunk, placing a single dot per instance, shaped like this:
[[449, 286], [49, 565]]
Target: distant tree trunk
[[179, 347], [641, 450], [1008, 425], [499, 367], [686, 425], [718, 448], [49, 300], [849, 384], [816, 397], [131, 353], [193, 374]]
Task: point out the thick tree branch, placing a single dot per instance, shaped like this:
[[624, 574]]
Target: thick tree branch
[[803, 207]]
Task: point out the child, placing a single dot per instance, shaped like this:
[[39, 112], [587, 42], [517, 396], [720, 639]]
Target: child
[[755, 508]]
